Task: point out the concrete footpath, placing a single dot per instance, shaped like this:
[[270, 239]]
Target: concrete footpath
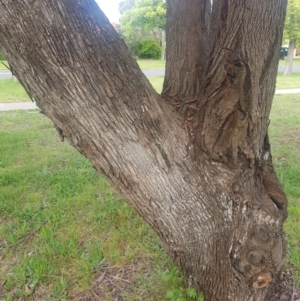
[[32, 106], [10, 106]]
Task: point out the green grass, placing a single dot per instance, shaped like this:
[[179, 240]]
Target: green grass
[[157, 82], [2, 66], [288, 82], [158, 64], [11, 91], [62, 226], [285, 141], [283, 82], [151, 64], [296, 62], [144, 64]]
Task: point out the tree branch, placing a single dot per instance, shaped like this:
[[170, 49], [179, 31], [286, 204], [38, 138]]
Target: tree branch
[[240, 84], [186, 50], [82, 76]]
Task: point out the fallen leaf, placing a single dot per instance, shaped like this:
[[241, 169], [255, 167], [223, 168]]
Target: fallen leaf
[[27, 290]]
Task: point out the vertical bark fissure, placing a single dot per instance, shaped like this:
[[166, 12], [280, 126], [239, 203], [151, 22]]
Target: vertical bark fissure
[[231, 126], [241, 77], [186, 51]]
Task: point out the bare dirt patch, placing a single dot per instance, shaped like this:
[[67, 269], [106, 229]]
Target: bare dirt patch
[[116, 283]]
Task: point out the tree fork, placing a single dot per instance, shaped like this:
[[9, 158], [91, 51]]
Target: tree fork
[[231, 127], [241, 77], [202, 177]]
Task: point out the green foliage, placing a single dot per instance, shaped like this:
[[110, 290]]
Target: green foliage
[[146, 15], [146, 49], [142, 20], [292, 21], [178, 288], [126, 5]]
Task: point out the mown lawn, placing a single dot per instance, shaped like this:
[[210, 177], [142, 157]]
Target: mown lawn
[[288, 82], [284, 132], [62, 227], [296, 62], [151, 64], [11, 91], [3, 65], [158, 64]]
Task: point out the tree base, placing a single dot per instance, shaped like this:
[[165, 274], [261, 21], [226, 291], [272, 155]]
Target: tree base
[[285, 289]]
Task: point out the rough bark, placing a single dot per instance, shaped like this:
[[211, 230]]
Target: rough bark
[[200, 175], [186, 59], [289, 60]]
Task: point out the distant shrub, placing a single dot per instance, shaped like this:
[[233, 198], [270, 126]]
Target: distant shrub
[[146, 49], [149, 49], [134, 48]]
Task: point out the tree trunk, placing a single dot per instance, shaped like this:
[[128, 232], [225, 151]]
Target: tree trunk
[[194, 163], [289, 60]]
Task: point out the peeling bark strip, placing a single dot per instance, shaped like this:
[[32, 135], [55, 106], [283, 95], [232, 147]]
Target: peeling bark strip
[[201, 174]]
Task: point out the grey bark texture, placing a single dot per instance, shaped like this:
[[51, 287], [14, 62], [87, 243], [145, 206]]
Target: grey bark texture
[[195, 163]]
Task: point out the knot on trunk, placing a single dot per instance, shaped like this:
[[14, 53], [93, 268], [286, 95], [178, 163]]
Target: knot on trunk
[[261, 256], [261, 280], [257, 257]]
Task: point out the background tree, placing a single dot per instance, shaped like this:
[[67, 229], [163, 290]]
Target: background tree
[[126, 5], [195, 163], [292, 32], [143, 19]]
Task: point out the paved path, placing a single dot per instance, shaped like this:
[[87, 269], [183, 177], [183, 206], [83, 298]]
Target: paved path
[[5, 74], [147, 72], [32, 106], [17, 106], [288, 91]]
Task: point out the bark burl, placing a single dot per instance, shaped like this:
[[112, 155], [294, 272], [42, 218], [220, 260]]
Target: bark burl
[[194, 162]]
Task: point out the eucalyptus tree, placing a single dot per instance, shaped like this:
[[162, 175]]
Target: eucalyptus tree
[[194, 162], [142, 18]]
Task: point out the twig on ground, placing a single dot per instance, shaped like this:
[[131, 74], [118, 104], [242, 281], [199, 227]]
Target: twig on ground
[[118, 278]]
